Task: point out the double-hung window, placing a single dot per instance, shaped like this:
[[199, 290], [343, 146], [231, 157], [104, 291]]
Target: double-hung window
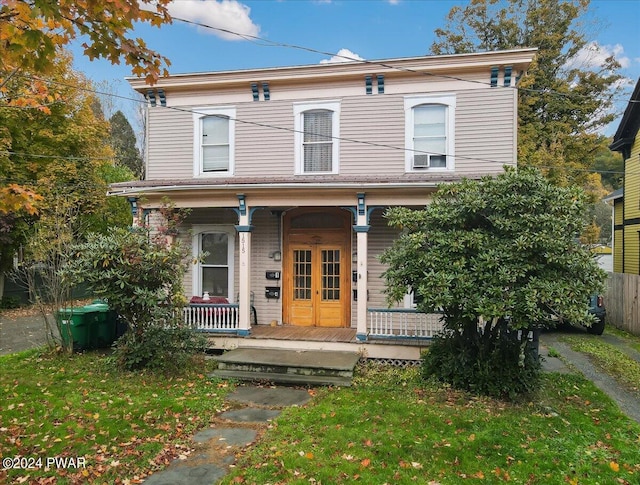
[[317, 131], [214, 272], [214, 137], [429, 132]]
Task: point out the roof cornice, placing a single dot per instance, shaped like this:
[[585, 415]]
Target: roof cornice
[[518, 58]]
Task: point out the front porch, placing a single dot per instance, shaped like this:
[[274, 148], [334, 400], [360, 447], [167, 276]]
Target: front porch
[[392, 334]]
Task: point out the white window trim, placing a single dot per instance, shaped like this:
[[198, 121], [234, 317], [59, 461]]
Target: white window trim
[[198, 114], [196, 248], [410, 102], [298, 110]]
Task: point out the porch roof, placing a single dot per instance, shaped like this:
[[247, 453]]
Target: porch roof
[[275, 184]]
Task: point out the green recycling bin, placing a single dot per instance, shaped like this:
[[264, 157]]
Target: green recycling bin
[[91, 326], [104, 321], [78, 325]]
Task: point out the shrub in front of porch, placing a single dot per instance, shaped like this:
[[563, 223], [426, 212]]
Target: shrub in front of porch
[[140, 275], [500, 257]]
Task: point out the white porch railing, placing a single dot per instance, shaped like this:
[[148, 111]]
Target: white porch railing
[[212, 317], [402, 323]]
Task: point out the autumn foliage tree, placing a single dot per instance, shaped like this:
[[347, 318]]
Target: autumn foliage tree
[[49, 138], [61, 153], [33, 34], [563, 99], [33, 31]]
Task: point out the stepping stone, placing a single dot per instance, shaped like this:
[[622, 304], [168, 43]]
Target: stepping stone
[[228, 436], [185, 474], [273, 397], [251, 415]]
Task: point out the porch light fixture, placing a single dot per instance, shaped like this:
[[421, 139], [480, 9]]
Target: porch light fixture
[[361, 205], [276, 256], [354, 257], [134, 204], [242, 204]]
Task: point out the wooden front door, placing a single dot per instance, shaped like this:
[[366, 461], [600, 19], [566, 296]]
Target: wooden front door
[[316, 275]]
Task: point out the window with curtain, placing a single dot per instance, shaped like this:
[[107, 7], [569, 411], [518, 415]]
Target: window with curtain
[[213, 141], [317, 140], [317, 137]]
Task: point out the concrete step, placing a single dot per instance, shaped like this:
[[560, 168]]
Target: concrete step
[[310, 367], [305, 380]]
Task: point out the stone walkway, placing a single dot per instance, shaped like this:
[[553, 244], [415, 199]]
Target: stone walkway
[[216, 447]]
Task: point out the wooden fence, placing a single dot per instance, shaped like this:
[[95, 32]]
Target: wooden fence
[[622, 300]]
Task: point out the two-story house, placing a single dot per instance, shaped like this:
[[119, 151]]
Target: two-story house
[[288, 172], [626, 201]]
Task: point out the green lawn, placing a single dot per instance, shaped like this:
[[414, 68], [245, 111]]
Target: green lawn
[[122, 426], [392, 428]]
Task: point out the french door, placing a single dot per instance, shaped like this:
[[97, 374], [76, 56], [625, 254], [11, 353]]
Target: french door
[[316, 267], [317, 280]]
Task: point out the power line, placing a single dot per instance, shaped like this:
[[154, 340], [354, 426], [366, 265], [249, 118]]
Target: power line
[[292, 130], [270, 43], [266, 42], [379, 145]]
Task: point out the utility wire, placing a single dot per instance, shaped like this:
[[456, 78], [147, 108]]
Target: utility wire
[[266, 42], [271, 43]]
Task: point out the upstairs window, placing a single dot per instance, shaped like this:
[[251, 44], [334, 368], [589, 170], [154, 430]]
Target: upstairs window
[[317, 143], [430, 136], [429, 133], [316, 137], [214, 134]]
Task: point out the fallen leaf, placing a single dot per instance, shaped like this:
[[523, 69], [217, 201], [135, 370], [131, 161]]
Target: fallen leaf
[[614, 466], [366, 462]]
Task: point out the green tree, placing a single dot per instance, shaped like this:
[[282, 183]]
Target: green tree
[[33, 35], [609, 164], [66, 142], [123, 142], [63, 153], [496, 256], [562, 104], [139, 272]]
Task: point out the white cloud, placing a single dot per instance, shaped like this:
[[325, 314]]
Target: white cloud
[[594, 55], [343, 55], [229, 15]]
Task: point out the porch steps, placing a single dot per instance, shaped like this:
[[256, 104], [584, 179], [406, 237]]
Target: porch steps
[[303, 367]]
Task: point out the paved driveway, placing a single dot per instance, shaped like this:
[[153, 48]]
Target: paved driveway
[[21, 333]]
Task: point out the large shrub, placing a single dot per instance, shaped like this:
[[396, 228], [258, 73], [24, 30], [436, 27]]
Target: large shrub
[[140, 274], [499, 257]]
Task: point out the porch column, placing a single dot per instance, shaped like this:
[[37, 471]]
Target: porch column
[[362, 229], [244, 232]]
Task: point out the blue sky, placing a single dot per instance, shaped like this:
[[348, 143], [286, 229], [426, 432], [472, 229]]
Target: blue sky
[[368, 29]]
